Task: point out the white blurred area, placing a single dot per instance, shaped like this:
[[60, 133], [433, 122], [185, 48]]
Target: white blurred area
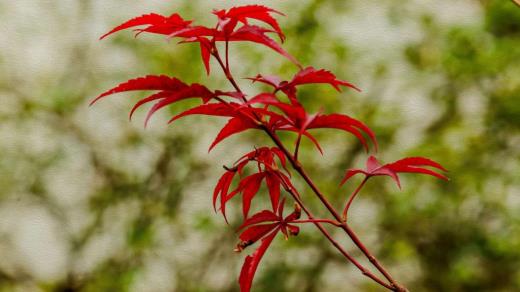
[[44, 41]]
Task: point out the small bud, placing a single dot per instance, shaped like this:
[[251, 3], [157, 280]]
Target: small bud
[[242, 245], [297, 210], [293, 230]]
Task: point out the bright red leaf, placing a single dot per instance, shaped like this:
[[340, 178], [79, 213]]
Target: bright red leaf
[[263, 225], [171, 90], [155, 24], [230, 18], [257, 34], [233, 126], [309, 75], [410, 165]]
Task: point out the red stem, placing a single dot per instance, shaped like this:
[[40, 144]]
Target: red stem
[[298, 167], [335, 223], [294, 193], [297, 147], [354, 194]]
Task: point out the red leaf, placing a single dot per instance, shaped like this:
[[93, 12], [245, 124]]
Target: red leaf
[[222, 189], [150, 82], [205, 48], [251, 263], [350, 173], [210, 109], [194, 33], [156, 96], [407, 165], [415, 161], [249, 187], [310, 75], [234, 126], [264, 98], [192, 91], [257, 12], [281, 156], [346, 123], [260, 217], [257, 34], [254, 233], [273, 81], [273, 184], [156, 23]]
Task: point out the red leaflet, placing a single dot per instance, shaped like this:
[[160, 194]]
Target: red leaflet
[[345, 123], [298, 120], [241, 14], [411, 164], [210, 109], [150, 82], [222, 190], [257, 34], [205, 52], [233, 126], [155, 24], [263, 225], [172, 90], [249, 186], [273, 81], [310, 75], [264, 156], [192, 91], [251, 263]]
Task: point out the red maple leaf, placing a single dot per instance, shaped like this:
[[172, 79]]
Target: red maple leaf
[[171, 90], [229, 19], [296, 119], [263, 226], [309, 75], [406, 165], [248, 186], [155, 23]]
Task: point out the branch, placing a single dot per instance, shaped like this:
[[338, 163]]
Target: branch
[[297, 166]]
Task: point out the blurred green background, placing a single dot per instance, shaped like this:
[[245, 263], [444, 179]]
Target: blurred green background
[[92, 202]]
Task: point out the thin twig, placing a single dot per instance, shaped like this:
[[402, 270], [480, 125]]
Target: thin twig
[[351, 199]]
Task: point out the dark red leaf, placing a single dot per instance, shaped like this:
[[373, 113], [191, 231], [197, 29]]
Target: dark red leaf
[[233, 126], [210, 109], [205, 48], [273, 185], [222, 189], [310, 75], [249, 187], [273, 81], [260, 217], [150, 82], [346, 123], [156, 23], [254, 233], [156, 96], [258, 12], [258, 35], [406, 165], [251, 263], [192, 91], [415, 161], [194, 34]]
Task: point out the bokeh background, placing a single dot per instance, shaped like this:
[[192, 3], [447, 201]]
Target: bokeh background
[[92, 202]]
